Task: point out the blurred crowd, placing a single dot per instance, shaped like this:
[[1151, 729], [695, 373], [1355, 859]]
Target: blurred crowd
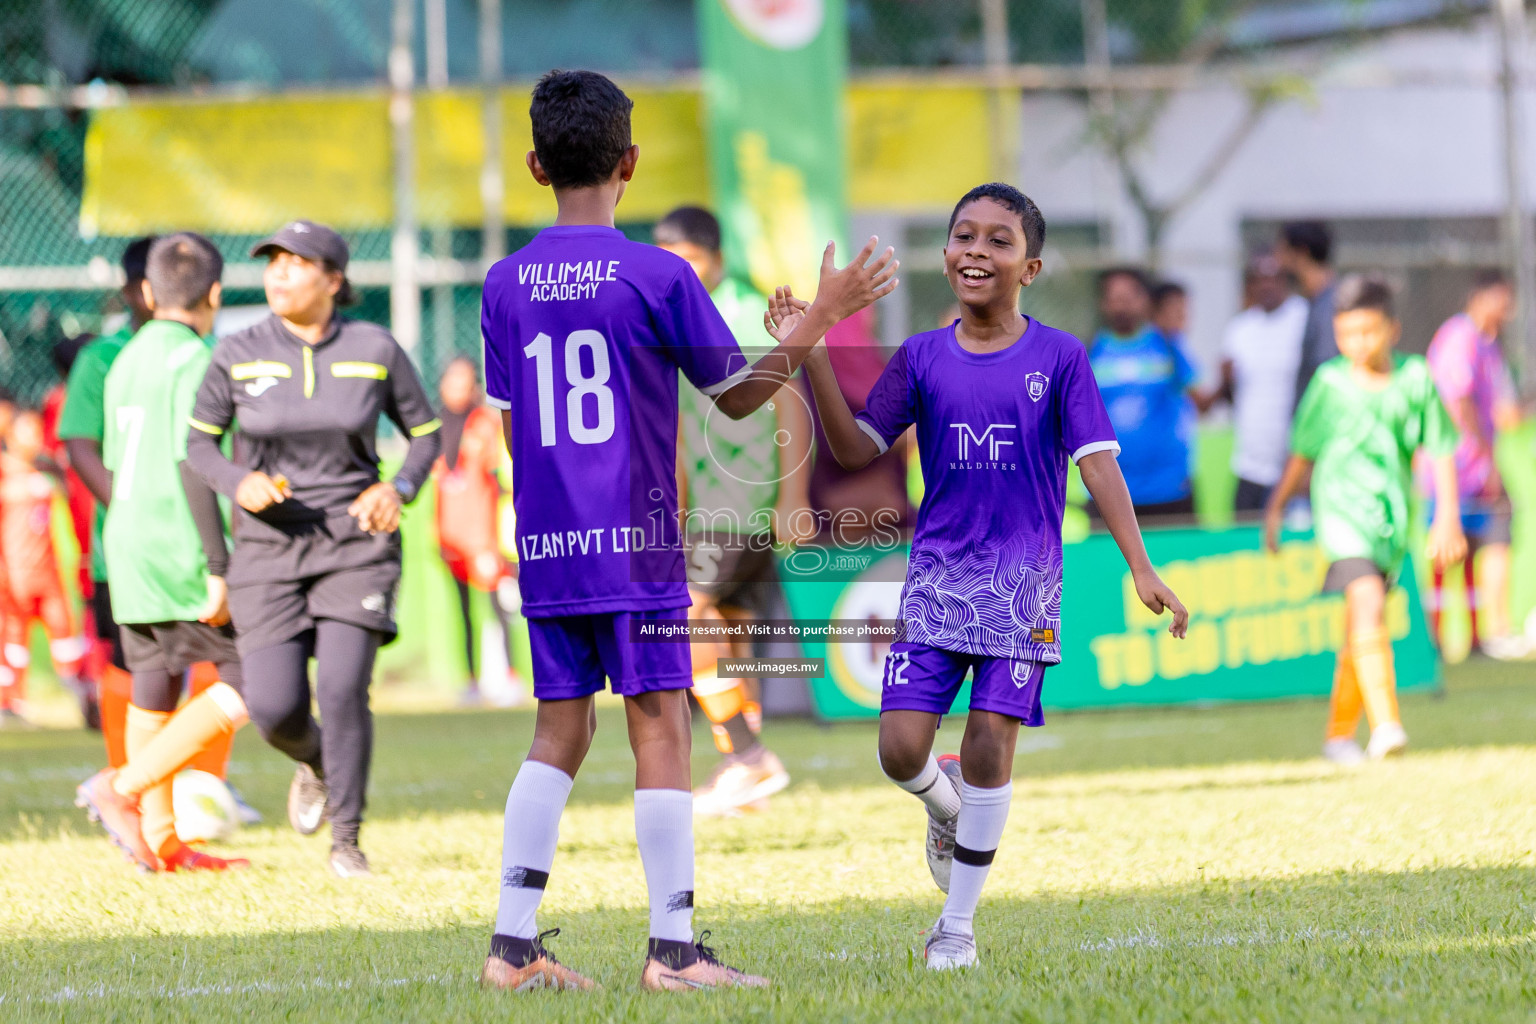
[[1269, 353]]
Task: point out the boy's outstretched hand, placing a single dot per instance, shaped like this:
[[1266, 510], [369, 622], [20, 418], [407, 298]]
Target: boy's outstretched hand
[[784, 313], [1159, 597], [842, 293]]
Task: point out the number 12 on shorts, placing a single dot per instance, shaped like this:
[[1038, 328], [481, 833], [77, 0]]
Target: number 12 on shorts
[[896, 668], [541, 351]]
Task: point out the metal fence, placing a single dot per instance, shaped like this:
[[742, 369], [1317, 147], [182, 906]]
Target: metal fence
[[1124, 61]]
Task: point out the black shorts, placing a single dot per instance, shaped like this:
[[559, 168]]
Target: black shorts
[[106, 625], [1346, 570], [1250, 496], [282, 580], [174, 647], [728, 569]]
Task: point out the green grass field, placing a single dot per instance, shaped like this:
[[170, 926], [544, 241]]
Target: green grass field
[[1168, 865]]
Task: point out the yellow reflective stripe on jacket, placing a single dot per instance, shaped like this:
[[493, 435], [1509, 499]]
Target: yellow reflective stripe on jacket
[[260, 368], [426, 428], [371, 371], [207, 428]]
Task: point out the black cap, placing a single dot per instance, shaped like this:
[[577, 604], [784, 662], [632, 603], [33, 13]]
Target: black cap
[[308, 239]]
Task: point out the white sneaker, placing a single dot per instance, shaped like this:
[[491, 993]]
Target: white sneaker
[[940, 846], [1387, 739], [1506, 648], [740, 781], [1343, 751], [949, 950]]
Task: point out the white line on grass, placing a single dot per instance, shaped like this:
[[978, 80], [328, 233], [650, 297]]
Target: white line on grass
[[71, 994]]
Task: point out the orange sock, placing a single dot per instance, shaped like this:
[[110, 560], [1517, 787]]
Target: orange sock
[[722, 700], [213, 758], [209, 718], [157, 815], [1372, 654], [1344, 706], [116, 692]]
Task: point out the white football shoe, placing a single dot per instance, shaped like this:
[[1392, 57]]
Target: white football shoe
[[949, 950], [1387, 739], [940, 846], [1506, 648], [1343, 751]]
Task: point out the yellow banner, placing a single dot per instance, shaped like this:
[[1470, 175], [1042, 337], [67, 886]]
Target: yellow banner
[[245, 166]]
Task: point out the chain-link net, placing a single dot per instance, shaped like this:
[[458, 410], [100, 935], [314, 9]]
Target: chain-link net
[[57, 278]]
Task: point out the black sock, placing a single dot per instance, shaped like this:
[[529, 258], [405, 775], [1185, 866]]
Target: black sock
[[515, 951], [676, 955], [743, 740]]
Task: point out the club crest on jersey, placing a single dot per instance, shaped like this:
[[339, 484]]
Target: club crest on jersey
[[260, 384], [1035, 383]]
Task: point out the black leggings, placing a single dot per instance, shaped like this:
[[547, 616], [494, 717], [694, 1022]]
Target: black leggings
[[278, 694], [502, 616], [159, 689]]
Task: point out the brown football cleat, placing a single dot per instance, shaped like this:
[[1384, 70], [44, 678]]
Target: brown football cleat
[[705, 972], [119, 815], [541, 971]]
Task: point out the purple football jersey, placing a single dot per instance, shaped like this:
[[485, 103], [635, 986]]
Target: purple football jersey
[[585, 332], [994, 433]]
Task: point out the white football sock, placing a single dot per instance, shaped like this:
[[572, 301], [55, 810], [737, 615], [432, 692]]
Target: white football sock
[[664, 830], [983, 813], [934, 789], [532, 827]]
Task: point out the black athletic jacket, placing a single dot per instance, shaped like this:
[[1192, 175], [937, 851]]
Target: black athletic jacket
[[311, 415]]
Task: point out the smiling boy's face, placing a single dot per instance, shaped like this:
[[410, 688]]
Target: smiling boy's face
[[986, 259]]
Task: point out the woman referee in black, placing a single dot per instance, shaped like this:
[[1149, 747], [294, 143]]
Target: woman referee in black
[[316, 560]]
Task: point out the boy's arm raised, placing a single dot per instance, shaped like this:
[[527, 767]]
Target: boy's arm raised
[[1101, 475], [839, 295], [851, 446]]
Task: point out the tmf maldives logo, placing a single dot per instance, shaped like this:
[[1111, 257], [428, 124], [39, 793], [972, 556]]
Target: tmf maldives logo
[[985, 446]]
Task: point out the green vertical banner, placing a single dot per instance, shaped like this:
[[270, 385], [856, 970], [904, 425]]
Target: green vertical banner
[[773, 94]]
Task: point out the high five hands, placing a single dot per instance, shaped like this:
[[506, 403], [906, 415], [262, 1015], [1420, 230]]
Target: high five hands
[[840, 292]]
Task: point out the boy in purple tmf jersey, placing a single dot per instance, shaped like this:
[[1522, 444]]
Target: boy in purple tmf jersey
[[585, 332], [1001, 402]]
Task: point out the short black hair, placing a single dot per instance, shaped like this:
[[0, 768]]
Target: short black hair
[[1136, 274], [1364, 291], [66, 349], [1030, 217], [136, 257], [1489, 277], [692, 224], [580, 127], [1311, 236], [1162, 291], [182, 270]]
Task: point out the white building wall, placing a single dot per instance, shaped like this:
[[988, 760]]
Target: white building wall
[[1351, 149]]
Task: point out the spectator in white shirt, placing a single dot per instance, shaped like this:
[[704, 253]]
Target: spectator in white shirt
[[1261, 354]]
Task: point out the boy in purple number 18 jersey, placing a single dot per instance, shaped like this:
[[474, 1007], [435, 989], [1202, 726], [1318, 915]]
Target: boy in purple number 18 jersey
[[1001, 402], [585, 332]]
